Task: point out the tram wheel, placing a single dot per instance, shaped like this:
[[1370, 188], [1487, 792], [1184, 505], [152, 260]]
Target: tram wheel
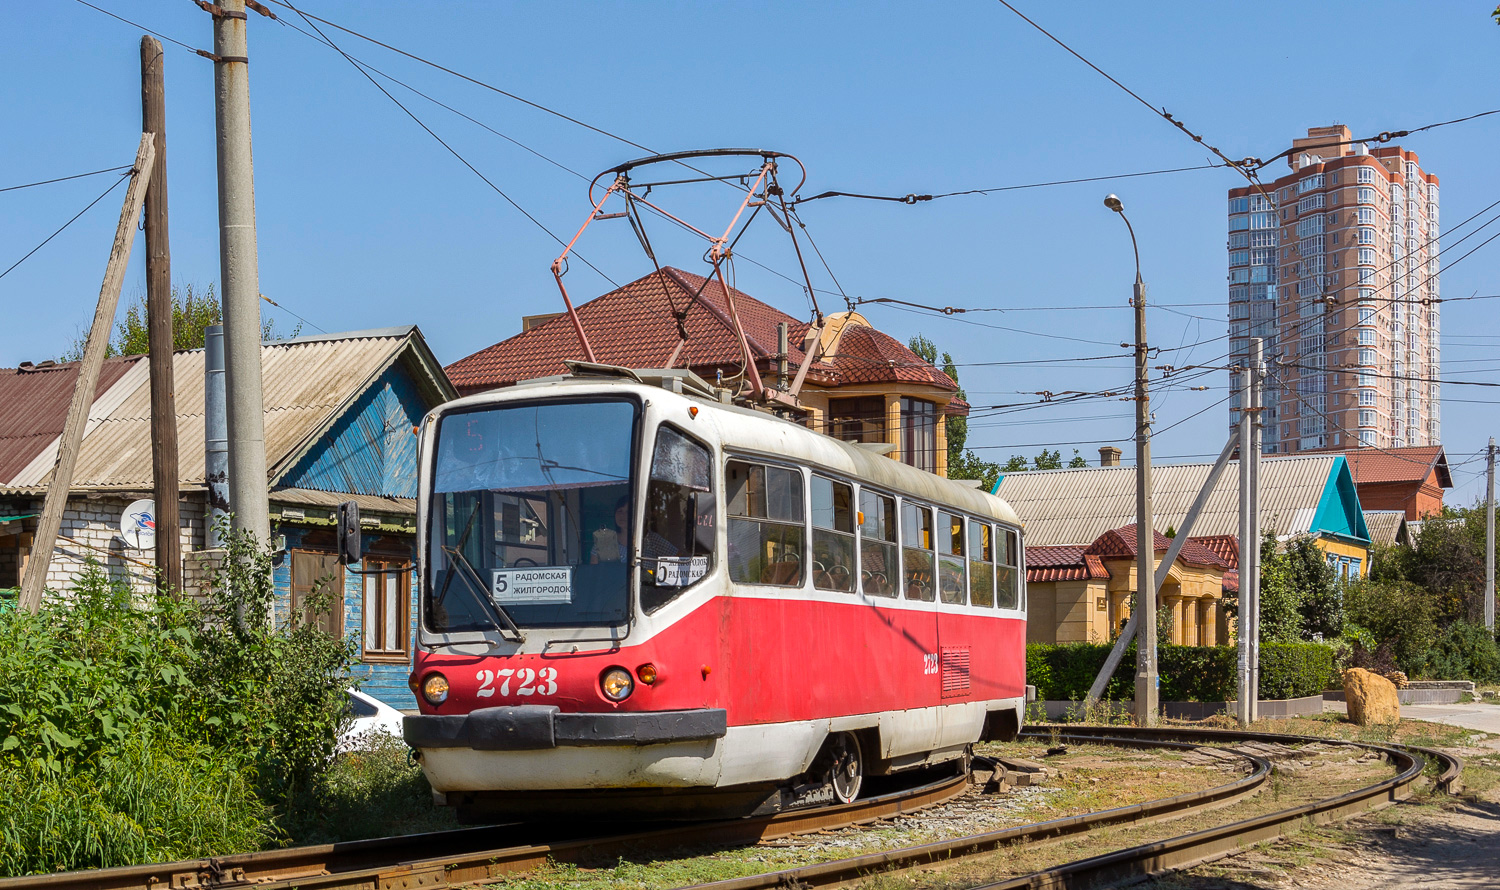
[[845, 770]]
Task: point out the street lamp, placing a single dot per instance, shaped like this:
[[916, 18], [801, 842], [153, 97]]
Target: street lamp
[[1145, 537]]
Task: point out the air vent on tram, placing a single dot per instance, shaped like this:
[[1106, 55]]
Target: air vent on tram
[[955, 665]]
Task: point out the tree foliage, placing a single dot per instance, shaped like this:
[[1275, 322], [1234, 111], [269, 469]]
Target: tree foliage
[[1301, 597], [192, 313]]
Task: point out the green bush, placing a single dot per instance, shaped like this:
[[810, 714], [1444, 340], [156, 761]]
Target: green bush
[[1064, 671], [1293, 670], [1400, 617], [138, 728], [1464, 651]]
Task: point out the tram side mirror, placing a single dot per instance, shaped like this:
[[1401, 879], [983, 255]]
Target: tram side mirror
[[350, 545]]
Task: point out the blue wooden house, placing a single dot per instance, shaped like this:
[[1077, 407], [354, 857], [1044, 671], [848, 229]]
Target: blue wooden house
[[341, 412]]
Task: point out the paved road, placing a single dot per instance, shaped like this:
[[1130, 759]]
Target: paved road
[[1479, 715]]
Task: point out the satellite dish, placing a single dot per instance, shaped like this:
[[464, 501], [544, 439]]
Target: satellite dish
[[138, 524]]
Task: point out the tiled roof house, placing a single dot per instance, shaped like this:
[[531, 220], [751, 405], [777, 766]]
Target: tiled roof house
[[1407, 479], [863, 386], [1083, 593]]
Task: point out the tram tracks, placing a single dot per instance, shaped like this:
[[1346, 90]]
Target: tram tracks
[[469, 856]]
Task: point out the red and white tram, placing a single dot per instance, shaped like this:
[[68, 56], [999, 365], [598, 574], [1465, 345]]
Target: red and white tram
[[635, 593]]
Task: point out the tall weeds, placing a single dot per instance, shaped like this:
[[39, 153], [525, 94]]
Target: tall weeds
[[138, 729]]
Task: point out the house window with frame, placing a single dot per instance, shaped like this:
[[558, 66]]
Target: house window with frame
[[857, 420], [317, 587], [386, 585], [919, 421]]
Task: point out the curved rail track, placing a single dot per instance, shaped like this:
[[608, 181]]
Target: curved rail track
[[466, 856]]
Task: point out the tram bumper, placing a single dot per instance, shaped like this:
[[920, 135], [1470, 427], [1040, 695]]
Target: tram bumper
[[538, 727]]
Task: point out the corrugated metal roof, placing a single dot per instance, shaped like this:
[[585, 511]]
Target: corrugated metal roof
[[367, 502], [1077, 506], [304, 381], [1384, 525], [34, 403]]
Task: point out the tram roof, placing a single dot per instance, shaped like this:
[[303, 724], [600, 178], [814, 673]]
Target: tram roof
[[750, 431]]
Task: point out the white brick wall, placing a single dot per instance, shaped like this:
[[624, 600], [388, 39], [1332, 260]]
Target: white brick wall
[[91, 530]]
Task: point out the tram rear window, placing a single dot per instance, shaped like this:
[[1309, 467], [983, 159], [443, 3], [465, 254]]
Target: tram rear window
[[531, 516]]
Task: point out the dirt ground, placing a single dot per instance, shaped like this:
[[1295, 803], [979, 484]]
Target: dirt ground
[[1430, 841]]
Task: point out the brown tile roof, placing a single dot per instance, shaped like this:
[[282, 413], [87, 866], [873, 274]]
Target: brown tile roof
[[1120, 544], [1226, 547], [34, 403], [1232, 581], [1369, 465], [635, 326], [1062, 564]]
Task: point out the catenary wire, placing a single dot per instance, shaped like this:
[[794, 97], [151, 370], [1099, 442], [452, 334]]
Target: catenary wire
[[914, 198]]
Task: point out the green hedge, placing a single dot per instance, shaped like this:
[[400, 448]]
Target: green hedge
[[1064, 671]]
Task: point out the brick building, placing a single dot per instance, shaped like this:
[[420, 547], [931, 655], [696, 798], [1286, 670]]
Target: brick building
[[1410, 480], [1335, 267]]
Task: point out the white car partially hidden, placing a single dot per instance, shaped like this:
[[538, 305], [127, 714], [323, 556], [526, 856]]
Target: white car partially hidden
[[371, 716]]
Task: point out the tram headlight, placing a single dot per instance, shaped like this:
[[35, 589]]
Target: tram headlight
[[616, 684], [435, 689]]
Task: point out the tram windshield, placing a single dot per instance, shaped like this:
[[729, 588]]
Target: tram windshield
[[530, 517]]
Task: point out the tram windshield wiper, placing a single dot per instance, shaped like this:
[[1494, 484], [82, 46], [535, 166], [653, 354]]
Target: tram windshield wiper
[[494, 612], [498, 611]]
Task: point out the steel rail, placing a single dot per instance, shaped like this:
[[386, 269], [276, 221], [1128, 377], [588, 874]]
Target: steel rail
[[1174, 853], [463, 856], [845, 871]]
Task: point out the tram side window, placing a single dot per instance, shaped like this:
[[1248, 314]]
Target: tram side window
[[877, 543], [950, 547], [767, 528], [832, 534], [1007, 573], [678, 545], [916, 552], [981, 564]]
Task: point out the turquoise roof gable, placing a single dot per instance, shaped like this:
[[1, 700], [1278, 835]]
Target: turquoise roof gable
[[1338, 511], [370, 448]]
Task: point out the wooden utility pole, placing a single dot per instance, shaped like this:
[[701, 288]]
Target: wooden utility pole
[[159, 325], [88, 379]]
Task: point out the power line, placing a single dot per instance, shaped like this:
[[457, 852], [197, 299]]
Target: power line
[[451, 150], [192, 49], [13, 188], [89, 206], [431, 64]]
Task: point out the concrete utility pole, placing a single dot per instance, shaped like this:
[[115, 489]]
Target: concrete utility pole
[[240, 273], [1248, 544], [1145, 536], [1489, 542], [88, 379], [159, 325], [1256, 378]]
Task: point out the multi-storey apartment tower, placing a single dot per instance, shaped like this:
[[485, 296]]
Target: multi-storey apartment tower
[[1335, 267]]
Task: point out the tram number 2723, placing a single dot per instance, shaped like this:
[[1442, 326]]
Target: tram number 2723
[[528, 682], [929, 663]]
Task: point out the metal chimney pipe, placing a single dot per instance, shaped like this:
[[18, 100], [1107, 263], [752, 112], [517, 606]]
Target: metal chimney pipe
[[215, 433]]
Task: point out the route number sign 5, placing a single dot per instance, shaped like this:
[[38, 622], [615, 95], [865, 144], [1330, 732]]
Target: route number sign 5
[[528, 681]]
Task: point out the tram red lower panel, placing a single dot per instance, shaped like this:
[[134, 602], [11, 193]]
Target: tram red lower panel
[[767, 660]]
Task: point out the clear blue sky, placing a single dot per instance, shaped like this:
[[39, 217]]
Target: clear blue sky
[[365, 221]]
